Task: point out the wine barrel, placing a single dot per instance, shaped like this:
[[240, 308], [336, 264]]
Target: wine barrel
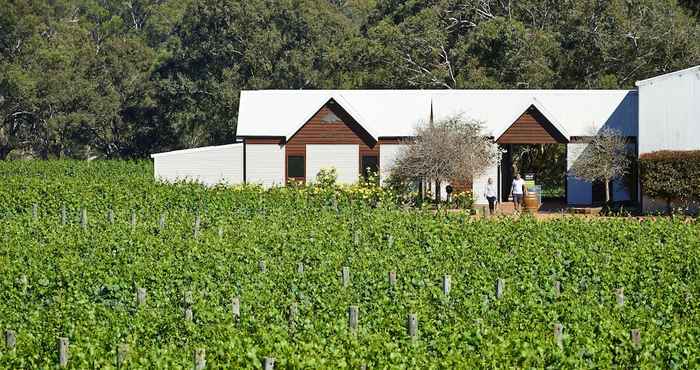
[[530, 202]]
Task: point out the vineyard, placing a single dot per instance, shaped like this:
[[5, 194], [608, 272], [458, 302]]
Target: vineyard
[[101, 267]]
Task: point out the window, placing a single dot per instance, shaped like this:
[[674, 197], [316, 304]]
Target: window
[[295, 166], [370, 163]]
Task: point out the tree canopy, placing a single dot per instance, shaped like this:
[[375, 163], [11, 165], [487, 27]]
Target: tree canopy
[[122, 79]]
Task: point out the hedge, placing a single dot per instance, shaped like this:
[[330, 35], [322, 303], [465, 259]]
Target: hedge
[[671, 175]]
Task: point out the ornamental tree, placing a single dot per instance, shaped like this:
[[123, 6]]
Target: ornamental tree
[[452, 149], [604, 159]]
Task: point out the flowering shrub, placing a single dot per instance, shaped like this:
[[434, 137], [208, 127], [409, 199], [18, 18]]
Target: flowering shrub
[[464, 199]]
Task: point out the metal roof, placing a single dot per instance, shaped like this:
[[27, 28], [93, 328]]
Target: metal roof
[[391, 113]]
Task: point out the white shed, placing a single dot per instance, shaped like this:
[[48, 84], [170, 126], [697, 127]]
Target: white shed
[[209, 165]]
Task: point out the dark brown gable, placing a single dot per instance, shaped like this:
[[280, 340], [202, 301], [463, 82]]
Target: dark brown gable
[[532, 127], [331, 125]]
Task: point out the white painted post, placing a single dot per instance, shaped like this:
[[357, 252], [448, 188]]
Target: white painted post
[[412, 325], [236, 308], [446, 284], [620, 296], [10, 340], [500, 287], [268, 363]]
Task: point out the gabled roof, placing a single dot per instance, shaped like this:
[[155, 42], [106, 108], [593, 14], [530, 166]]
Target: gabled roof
[[396, 113], [680, 73], [534, 102]]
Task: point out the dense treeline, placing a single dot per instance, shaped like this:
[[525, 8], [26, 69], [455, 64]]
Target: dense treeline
[[107, 78]]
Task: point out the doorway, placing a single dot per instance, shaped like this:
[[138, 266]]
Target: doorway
[[541, 165]]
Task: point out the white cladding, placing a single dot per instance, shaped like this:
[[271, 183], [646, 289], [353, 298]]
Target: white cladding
[[578, 192], [344, 158], [208, 165], [669, 112], [265, 164], [388, 153], [479, 185]]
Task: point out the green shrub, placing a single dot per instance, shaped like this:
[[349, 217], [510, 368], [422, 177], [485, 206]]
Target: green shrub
[[671, 175]]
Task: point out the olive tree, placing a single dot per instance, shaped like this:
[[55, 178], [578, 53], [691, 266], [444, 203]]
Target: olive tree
[[452, 149], [604, 159]]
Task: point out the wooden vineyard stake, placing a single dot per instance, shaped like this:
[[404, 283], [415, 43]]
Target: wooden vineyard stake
[[446, 284], [268, 363], [110, 217], [64, 216], [292, 316], [141, 296], [558, 332], [83, 218], [636, 337], [35, 211], [63, 352], [346, 276], [261, 266], [10, 340], [197, 222], [122, 355], [620, 296], [236, 308], [500, 287], [133, 219], [23, 282], [392, 279], [161, 221], [412, 325], [200, 359], [300, 267], [188, 302], [557, 289], [353, 317]]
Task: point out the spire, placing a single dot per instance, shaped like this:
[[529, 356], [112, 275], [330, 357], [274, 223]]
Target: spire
[[430, 119]]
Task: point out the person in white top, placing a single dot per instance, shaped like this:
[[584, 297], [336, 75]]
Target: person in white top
[[517, 190], [491, 194]]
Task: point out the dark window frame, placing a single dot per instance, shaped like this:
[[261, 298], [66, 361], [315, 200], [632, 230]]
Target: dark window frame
[[363, 170], [303, 166]]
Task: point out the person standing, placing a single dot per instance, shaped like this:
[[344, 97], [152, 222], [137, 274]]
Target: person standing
[[516, 191], [491, 195]]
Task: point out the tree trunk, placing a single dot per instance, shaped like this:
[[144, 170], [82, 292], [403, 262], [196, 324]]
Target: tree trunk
[[5, 151], [437, 191]]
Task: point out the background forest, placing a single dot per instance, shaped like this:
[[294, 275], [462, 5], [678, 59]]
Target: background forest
[[122, 79]]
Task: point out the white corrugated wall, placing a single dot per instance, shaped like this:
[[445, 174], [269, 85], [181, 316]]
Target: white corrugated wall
[[669, 112], [208, 165], [344, 158], [578, 192], [387, 156], [265, 164], [479, 184]]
